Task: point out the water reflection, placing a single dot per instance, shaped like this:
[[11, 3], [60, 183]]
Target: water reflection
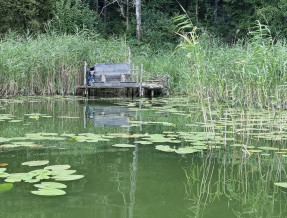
[[237, 186], [111, 115]]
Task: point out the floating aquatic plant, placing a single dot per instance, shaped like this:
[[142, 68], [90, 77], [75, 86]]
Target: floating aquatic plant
[[281, 184], [49, 192], [124, 146], [36, 163], [57, 167], [67, 177], [6, 187], [50, 185], [165, 148]]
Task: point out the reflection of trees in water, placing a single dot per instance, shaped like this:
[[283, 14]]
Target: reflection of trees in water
[[246, 184], [124, 186]]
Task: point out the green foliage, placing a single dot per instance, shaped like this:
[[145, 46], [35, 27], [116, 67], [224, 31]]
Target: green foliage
[[72, 15], [157, 28], [25, 14]]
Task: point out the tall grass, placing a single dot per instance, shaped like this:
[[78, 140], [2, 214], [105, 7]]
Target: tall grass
[[50, 63], [247, 73], [250, 72]]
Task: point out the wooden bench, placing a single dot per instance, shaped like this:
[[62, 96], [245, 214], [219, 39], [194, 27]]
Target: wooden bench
[[111, 75], [108, 76]]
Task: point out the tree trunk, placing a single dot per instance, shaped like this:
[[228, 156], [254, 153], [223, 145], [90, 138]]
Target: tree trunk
[[97, 6], [196, 12], [105, 15], [127, 15], [215, 11], [138, 17]]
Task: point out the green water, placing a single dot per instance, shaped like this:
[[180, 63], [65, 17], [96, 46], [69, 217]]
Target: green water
[[144, 182]]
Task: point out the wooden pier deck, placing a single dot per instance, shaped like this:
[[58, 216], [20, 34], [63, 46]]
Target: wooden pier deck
[[121, 76]]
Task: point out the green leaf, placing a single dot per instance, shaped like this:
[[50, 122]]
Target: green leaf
[[186, 150], [67, 177], [49, 192], [281, 184], [57, 167], [50, 185], [36, 163], [6, 187], [165, 148], [124, 146], [62, 172]]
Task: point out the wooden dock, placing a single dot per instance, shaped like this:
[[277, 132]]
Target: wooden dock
[[121, 78]]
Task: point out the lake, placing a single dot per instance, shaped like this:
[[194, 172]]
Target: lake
[[166, 157]]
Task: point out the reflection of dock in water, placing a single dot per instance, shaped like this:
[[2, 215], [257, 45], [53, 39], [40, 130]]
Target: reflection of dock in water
[[101, 115]]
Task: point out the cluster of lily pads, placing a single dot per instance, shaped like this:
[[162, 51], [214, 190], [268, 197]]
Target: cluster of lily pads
[[225, 127], [53, 172]]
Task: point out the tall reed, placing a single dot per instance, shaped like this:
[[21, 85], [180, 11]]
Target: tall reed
[[48, 64]]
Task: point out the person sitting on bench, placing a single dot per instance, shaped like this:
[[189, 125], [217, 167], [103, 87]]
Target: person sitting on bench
[[91, 75]]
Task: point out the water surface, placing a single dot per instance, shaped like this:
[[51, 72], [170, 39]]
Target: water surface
[[226, 177]]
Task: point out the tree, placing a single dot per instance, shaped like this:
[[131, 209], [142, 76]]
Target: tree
[[25, 14], [138, 18]]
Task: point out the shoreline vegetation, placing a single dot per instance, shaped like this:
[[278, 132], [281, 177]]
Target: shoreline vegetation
[[212, 50], [247, 73]]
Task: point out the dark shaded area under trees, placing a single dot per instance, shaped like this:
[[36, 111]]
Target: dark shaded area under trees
[[228, 19]]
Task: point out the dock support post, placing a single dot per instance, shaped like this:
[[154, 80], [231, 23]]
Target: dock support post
[[85, 73], [152, 93], [137, 70], [168, 85], [141, 80], [128, 90], [84, 114]]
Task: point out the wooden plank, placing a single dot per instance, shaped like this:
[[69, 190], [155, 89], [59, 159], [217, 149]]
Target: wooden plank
[[115, 85], [109, 67], [113, 73]]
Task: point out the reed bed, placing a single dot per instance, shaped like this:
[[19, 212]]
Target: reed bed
[[49, 64], [250, 72]]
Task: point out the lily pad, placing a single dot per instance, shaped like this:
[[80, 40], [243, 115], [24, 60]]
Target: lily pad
[[12, 180], [15, 121], [40, 172], [186, 150], [2, 170], [67, 177], [57, 167], [32, 180], [62, 172], [124, 146], [50, 185], [49, 192], [281, 184], [6, 187], [143, 142], [36, 163], [4, 175], [165, 148], [41, 177]]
